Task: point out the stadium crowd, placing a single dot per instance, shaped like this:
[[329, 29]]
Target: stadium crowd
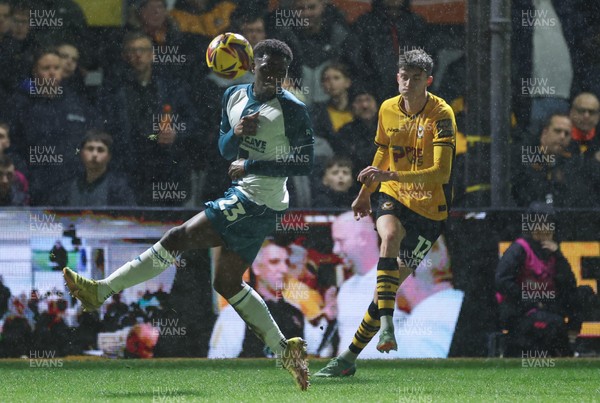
[[129, 116], [50, 321]]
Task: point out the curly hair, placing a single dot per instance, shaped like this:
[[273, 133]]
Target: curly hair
[[273, 47], [416, 58]]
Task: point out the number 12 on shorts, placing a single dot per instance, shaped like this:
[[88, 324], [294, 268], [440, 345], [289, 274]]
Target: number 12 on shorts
[[422, 248], [231, 213]]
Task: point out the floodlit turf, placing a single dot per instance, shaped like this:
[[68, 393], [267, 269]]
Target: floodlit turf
[[173, 380]]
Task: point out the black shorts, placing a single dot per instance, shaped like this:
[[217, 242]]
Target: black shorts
[[421, 232]]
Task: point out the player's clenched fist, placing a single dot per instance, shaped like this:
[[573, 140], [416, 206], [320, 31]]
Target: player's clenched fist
[[247, 126]]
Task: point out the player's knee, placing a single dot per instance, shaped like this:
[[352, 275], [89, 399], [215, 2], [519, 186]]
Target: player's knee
[[175, 235], [391, 237]]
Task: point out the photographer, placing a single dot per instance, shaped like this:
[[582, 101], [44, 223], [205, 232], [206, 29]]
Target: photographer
[[537, 292]]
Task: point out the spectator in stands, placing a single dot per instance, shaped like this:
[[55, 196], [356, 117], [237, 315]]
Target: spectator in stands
[[5, 19], [336, 182], [97, 185], [66, 14], [4, 297], [203, 17], [230, 337], [175, 53], [548, 173], [148, 300], [52, 333], [153, 124], [86, 333], [16, 337], [47, 124], [536, 290], [71, 71], [355, 139], [328, 117], [585, 115], [13, 185], [33, 304], [115, 311], [5, 149], [388, 29], [17, 50], [322, 41]]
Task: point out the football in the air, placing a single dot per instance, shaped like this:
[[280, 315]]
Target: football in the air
[[229, 55]]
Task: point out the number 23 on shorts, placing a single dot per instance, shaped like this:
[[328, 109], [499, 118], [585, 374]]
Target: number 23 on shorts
[[232, 208]]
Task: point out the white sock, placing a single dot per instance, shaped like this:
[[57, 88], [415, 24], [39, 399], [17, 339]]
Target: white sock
[[387, 322], [348, 356], [252, 308], [149, 264]]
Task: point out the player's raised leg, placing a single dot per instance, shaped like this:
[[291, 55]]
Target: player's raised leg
[[252, 308], [197, 232]]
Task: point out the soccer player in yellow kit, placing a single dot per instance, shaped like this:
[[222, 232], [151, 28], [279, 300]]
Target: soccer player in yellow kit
[[416, 142]]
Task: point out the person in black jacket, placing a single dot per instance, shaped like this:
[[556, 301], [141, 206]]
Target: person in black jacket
[[549, 172], [536, 291], [387, 30], [154, 126], [355, 139], [97, 185], [47, 123]]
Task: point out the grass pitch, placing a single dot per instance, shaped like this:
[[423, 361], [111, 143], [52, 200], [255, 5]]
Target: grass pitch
[[176, 380]]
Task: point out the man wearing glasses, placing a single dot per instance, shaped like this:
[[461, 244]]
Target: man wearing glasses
[[585, 115]]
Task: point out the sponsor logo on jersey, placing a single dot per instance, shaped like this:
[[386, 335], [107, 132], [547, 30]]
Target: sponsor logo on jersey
[[254, 144], [413, 154]]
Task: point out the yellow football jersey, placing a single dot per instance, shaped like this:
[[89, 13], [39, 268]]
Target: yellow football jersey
[[410, 141]]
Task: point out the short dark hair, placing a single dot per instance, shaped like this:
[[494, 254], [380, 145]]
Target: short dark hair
[[342, 68], [339, 160], [548, 120], [360, 89], [41, 52], [98, 135], [134, 36], [5, 161], [416, 58], [273, 47]]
